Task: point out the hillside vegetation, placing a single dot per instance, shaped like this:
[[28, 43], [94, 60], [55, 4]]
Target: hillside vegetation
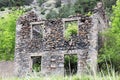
[[11, 3]]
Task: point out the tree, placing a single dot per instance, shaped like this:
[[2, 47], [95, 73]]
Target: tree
[[10, 3], [66, 11], [108, 4], [83, 6]]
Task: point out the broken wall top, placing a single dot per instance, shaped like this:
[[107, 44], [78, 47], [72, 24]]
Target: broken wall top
[[52, 33]]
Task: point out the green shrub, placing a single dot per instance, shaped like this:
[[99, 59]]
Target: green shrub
[[66, 11], [14, 8], [2, 9], [52, 14], [110, 53], [9, 8], [40, 2], [43, 11], [108, 4], [58, 3], [10, 3], [7, 34], [71, 29], [83, 6]]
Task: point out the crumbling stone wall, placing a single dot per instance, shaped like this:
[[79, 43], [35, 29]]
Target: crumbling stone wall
[[45, 38], [22, 43], [54, 45], [103, 22]]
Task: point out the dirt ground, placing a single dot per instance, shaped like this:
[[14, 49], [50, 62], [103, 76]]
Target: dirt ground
[[6, 68]]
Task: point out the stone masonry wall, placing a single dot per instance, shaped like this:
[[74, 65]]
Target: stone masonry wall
[[52, 46], [45, 38], [22, 43]]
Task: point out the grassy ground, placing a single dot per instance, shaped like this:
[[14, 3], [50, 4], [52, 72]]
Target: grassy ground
[[113, 76], [66, 78]]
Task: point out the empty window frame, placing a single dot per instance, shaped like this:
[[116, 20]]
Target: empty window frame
[[37, 29], [70, 27], [70, 64], [36, 63]]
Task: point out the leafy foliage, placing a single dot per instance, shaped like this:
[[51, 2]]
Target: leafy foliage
[[83, 6], [80, 6], [108, 4], [58, 3], [2, 9], [40, 2], [10, 3], [66, 11], [71, 29], [111, 49], [52, 14], [7, 34]]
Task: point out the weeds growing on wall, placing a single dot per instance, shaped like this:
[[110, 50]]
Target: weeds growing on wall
[[71, 29], [7, 34]]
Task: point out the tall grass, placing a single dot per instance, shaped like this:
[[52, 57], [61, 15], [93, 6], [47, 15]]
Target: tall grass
[[100, 76]]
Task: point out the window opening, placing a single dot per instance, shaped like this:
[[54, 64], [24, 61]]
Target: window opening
[[71, 29], [37, 30], [70, 64], [36, 63]]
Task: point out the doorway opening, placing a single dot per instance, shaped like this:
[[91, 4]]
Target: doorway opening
[[36, 63], [70, 64]]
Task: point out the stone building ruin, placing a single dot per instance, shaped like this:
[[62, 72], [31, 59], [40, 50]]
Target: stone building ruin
[[45, 41]]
